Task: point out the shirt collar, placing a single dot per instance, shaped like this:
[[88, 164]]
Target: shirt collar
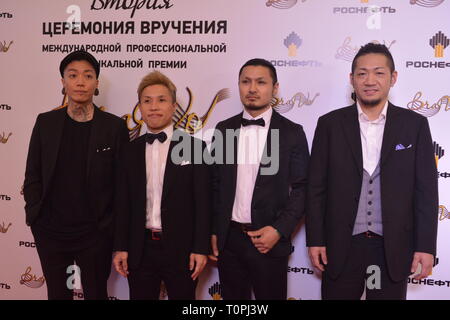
[[363, 117]]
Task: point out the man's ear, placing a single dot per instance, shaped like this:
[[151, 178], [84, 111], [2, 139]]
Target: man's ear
[[351, 79], [394, 78], [276, 86]]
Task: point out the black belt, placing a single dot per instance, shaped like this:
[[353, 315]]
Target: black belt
[[154, 234], [244, 227], [370, 234]]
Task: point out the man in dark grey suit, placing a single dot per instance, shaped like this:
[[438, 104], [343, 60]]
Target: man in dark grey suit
[[259, 185], [372, 192]]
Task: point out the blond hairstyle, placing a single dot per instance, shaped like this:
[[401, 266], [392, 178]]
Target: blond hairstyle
[[156, 77]]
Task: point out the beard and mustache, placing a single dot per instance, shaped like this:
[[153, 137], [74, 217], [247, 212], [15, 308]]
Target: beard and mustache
[[368, 103], [254, 106]]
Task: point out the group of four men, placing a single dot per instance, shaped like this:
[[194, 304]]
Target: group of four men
[[164, 202]]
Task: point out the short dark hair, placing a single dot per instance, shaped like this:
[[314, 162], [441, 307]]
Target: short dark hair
[[79, 55], [374, 48], [262, 63]]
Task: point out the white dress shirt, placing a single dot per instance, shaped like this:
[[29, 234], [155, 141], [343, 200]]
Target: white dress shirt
[[155, 159], [252, 140], [371, 138]]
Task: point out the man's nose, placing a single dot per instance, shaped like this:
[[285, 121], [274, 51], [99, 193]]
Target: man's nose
[[80, 81], [153, 105], [370, 79]]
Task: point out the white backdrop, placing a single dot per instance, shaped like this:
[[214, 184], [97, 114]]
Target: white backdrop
[[201, 44]]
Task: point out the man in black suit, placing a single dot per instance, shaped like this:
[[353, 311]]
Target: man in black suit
[[372, 194], [163, 234], [258, 198], [71, 181]]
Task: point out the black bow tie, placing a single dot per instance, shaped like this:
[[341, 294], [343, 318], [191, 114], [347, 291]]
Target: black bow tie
[[258, 122], [151, 137]]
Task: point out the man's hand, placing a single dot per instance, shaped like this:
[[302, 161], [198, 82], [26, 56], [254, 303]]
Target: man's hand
[[215, 251], [197, 263], [265, 238], [120, 262], [426, 260], [318, 255]]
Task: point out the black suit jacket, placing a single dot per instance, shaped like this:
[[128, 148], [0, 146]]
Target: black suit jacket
[[185, 204], [278, 200], [108, 132], [409, 191]]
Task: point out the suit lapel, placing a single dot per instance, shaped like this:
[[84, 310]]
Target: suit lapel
[[139, 168], [275, 124], [93, 137], [232, 168], [391, 129], [350, 124], [56, 136], [169, 173]]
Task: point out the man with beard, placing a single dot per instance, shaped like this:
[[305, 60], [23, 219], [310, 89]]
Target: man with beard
[[259, 185], [372, 190]]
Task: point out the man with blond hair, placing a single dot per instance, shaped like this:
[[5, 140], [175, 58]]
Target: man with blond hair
[[164, 233]]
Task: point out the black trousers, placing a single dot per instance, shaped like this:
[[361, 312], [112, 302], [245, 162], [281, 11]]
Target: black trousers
[[350, 285], [93, 260], [156, 266], [243, 268]]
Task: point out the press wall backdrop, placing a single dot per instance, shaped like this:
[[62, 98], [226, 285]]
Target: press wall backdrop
[[201, 44]]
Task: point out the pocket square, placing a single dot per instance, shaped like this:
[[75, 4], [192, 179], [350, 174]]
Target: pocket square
[[103, 149], [185, 162], [402, 147]]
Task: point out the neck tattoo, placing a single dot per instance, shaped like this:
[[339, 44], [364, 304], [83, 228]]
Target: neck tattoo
[[81, 113]]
